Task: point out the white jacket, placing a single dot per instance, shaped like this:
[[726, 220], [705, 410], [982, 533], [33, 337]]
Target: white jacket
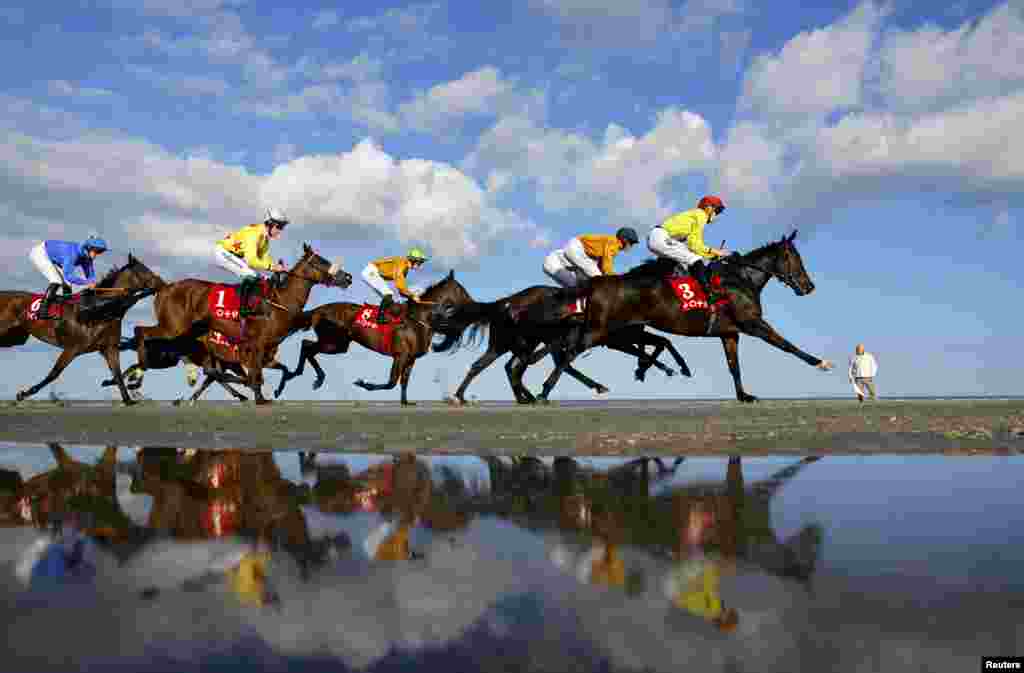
[[863, 366]]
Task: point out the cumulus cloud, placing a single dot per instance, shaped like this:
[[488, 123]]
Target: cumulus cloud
[[397, 21], [180, 84], [621, 173], [480, 92], [136, 192], [891, 113]]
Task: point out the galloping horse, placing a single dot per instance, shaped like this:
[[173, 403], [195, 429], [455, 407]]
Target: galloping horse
[[642, 296], [510, 332], [81, 329], [184, 314], [404, 340]]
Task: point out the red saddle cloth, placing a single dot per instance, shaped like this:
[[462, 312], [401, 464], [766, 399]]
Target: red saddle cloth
[[691, 295], [367, 319], [225, 302], [56, 308], [224, 340]]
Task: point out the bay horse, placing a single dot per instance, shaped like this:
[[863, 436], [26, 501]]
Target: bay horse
[[82, 328], [338, 324], [509, 332], [642, 296], [184, 315]]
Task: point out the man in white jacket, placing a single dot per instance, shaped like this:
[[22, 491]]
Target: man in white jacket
[[863, 369]]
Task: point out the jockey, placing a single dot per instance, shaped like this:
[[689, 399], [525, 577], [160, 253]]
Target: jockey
[[245, 253], [585, 253], [394, 269], [57, 261], [681, 238]]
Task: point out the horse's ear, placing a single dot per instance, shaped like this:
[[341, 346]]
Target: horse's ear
[[131, 258], [793, 235], [306, 248], [451, 275]]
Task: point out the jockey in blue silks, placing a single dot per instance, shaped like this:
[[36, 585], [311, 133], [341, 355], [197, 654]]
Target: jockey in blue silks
[[59, 261]]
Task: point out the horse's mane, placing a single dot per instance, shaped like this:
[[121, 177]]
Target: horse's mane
[[111, 276], [653, 266]]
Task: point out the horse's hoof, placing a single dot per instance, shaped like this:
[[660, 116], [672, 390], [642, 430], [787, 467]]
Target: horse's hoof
[[264, 401], [21, 395], [686, 372], [748, 399], [543, 400], [669, 371], [177, 402], [601, 390], [824, 366], [408, 404], [318, 383], [640, 375]]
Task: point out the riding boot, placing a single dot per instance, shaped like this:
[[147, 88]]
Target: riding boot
[[246, 291], [48, 299], [383, 314]]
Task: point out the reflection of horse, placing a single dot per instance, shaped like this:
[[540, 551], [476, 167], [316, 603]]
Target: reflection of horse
[[71, 488], [82, 328], [183, 313], [337, 325]]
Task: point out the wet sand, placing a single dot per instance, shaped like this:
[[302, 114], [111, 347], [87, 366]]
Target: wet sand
[[623, 427]]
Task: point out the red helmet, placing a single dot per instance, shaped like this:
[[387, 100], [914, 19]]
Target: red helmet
[[713, 201]]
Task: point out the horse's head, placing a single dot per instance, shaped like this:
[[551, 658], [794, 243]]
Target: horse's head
[[789, 267], [447, 292], [134, 275], [315, 268]]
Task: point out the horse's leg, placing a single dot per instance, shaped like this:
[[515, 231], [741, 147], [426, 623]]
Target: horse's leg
[[731, 344], [562, 362], [514, 369], [600, 389], [208, 381], [279, 366], [299, 368], [112, 355], [482, 363], [762, 330], [397, 367], [65, 358], [406, 375]]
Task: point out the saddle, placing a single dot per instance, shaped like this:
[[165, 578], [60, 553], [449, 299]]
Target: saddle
[[225, 300]]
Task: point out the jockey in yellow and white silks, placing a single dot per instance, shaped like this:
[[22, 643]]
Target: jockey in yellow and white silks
[[246, 253], [681, 238], [589, 254], [378, 272]]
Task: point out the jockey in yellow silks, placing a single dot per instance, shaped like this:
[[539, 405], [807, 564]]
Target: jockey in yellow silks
[[378, 272], [246, 253], [681, 238]]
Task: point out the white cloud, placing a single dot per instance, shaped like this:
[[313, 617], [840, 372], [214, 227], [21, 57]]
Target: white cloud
[[325, 19], [481, 92], [365, 102], [623, 174], [177, 8], [137, 193], [815, 72], [926, 111], [62, 87]]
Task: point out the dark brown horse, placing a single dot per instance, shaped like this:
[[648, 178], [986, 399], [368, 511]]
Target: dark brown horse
[[643, 297], [337, 325], [184, 315], [86, 326], [509, 332]]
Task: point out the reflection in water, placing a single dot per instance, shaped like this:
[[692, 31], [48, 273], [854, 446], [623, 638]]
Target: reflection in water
[[158, 554]]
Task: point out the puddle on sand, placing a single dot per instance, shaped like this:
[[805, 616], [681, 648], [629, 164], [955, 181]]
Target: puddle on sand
[[158, 558]]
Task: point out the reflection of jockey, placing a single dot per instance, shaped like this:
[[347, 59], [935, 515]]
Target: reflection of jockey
[[57, 261], [248, 579], [681, 238], [589, 254], [694, 586], [246, 253], [389, 543], [394, 269]]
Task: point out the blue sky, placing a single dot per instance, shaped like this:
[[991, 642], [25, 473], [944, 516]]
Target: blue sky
[[887, 134]]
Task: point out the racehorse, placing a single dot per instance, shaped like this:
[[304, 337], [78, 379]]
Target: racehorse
[[184, 314], [642, 296], [510, 332], [405, 339], [84, 326]]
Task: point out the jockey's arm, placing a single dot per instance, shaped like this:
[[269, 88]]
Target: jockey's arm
[[401, 286], [608, 261]]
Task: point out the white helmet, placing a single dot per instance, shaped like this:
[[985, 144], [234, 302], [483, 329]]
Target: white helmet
[[276, 216]]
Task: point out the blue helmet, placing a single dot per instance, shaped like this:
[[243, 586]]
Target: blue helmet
[[95, 243]]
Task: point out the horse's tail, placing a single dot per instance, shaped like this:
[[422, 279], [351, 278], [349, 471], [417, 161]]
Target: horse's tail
[[476, 317]]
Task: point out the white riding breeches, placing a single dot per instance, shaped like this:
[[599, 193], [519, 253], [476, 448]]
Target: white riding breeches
[[42, 262], [234, 264], [372, 277], [560, 269], [562, 265], [663, 245]]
